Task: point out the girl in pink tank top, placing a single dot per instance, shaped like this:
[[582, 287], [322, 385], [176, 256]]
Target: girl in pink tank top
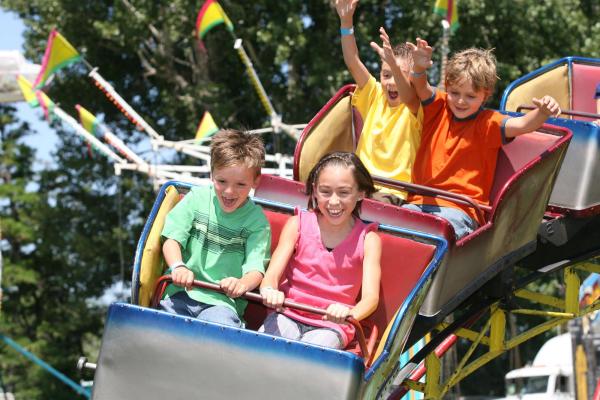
[[325, 257]]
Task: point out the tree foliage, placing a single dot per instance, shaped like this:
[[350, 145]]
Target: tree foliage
[[61, 225]]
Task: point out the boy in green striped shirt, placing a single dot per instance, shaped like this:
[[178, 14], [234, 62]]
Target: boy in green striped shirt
[[216, 234]]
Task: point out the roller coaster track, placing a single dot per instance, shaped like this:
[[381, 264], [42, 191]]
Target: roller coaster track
[[492, 339]]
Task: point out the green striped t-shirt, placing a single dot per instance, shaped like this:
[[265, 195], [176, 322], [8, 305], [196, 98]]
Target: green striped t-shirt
[[216, 244]]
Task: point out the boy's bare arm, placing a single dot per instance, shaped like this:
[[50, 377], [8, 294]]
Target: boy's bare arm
[[234, 287], [422, 62], [181, 275], [345, 10], [546, 106], [406, 92]]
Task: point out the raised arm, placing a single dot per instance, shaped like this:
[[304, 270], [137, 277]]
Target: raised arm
[[406, 92], [272, 297], [421, 63], [546, 107], [345, 10]]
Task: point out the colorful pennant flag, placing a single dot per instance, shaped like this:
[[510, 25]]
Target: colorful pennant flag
[[27, 90], [36, 98], [59, 53], [46, 104], [211, 14], [447, 9], [88, 121], [206, 127]]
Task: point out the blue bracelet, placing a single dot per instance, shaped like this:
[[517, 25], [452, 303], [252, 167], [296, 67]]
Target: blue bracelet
[[417, 74], [347, 31]]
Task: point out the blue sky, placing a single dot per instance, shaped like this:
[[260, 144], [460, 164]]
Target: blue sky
[[44, 138]]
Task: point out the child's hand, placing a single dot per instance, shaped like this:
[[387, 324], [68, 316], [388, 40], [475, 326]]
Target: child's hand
[[337, 313], [182, 277], [421, 55], [233, 287], [272, 298], [345, 9], [548, 106], [385, 53]]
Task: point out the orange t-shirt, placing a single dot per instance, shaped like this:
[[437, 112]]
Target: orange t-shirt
[[457, 155]]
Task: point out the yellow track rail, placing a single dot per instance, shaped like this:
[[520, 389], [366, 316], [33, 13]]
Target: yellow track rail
[[493, 335]]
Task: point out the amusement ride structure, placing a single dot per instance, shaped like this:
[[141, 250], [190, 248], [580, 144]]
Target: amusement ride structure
[[543, 218]]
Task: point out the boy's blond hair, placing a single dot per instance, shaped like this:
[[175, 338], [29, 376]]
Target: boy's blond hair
[[230, 147], [404, 52], [478, 66]]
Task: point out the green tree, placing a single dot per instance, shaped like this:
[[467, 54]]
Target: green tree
[[18, 223], [63, 251]]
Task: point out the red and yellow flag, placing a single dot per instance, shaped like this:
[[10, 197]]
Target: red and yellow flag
[[206, 127], [59, 53], [449, 10], [211, 14]]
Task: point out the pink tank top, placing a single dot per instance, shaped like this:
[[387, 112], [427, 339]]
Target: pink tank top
[[319, 277]]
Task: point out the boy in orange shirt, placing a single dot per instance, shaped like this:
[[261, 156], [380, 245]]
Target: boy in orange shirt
[[460, 139], [391, 112]]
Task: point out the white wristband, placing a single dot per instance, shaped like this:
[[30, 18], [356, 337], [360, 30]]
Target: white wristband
[[177, 264]]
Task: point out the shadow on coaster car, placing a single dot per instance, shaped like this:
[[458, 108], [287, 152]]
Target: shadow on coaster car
[[526, 170], [571, 230], [150, 354]]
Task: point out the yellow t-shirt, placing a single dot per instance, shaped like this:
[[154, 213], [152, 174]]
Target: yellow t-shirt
[[390, 136]]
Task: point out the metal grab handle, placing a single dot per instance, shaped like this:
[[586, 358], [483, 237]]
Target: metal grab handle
[[83, 363], [164, 280], [572, 113], [425, 190]]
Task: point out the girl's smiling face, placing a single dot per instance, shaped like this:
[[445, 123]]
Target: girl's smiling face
[[336, 194]]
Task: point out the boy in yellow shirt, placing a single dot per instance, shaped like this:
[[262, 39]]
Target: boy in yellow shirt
[[391, 112]]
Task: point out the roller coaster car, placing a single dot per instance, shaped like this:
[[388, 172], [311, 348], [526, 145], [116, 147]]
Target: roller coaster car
[[571, 231], [526, 170], [150, 354]]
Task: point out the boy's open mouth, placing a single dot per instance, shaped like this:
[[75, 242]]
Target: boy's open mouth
[[228, 202], [392, 94]]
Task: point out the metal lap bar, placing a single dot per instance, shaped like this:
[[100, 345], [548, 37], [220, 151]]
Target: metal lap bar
[[163, 281], [572, 113], [567, 308], [424, 190]]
